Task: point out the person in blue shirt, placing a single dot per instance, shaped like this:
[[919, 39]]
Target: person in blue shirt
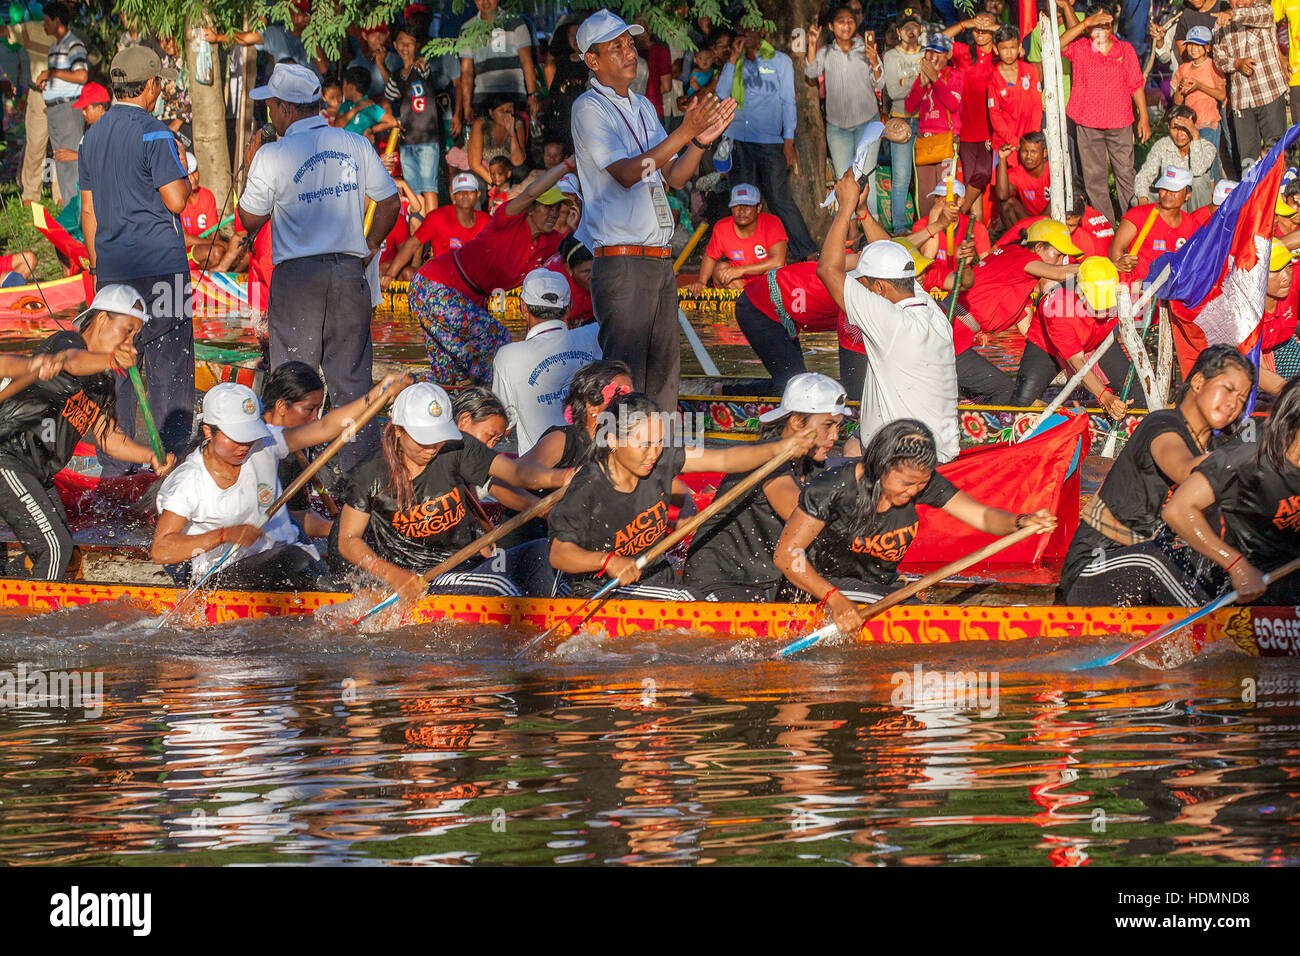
[[761, 81]]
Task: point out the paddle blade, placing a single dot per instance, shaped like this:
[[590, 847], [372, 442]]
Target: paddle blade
[[807, 641], [386, 602]]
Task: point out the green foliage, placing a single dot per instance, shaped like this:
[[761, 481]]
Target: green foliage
[[17, 233]]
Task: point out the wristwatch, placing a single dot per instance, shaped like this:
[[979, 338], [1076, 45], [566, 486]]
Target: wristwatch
[[697, 144]]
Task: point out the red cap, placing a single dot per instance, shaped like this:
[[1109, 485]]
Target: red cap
[[91, 93], [415, 8]]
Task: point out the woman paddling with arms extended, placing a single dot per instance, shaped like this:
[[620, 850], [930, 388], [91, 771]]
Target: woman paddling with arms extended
[[71, 392], [1119, 555], [1256, 486], [617, 507], [854, 524], [731, 555], [221, 491]]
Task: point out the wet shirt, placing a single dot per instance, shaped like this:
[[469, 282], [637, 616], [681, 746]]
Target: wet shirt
[[1136, 489], [41, 425], [438, 523], [596, 516], [1260, 505], [840, 551]]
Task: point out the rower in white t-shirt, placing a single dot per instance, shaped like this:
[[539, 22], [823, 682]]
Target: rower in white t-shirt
[[532, 377]]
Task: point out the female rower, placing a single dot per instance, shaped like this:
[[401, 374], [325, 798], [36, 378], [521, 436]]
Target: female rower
[[220, 493], [1118, 555], [478, 412], [731, 555], [292, 396], [854, 524], [405, 510], [1256, 487], [591, 390], [617, 506], [51, 401]]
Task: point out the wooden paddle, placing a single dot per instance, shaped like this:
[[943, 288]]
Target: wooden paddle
[[684, 529], [934, 577], [389, 148], [473, 548], [330, 451], [1229, 598]]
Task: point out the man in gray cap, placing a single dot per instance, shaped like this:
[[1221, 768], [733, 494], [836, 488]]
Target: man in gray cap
[[134, 184], [312, 186]]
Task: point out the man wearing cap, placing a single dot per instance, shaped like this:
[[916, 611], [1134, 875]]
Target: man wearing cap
[[1003, 281], [532, 377], [67, 70], [93, 103], [447, 227], [1183, 147], [747, 244], [1170, 227], [626, 162], [134, 185], [312, 186], [911, 364]]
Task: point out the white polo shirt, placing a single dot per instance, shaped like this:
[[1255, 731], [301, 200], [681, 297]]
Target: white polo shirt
[[532, 377], [911, 364], [606, 128], [314, 182]]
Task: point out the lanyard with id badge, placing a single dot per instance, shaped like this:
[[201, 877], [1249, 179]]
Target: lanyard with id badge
[[658, 195]]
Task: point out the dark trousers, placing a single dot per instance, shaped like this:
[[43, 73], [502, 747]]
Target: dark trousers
[[34, 513], [853, 372], [980, 380], [319, 313], [284, 567], [763, 165], [1037, 369], [781, 355], [1258, 126], [166, 360], [635, 301], [1101, 152]]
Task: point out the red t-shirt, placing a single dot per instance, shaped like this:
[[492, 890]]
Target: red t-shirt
[[939, 269], [726, 244], [497, 258], [400, 232], [200, 212], [1062, 327], [1015, 108], [806, 299], [1279, 325], [442, 230], [1001, 291], [580, 307], [1031, 190], [974, 105], [659, 62], [1092, 235], [1161, 239]]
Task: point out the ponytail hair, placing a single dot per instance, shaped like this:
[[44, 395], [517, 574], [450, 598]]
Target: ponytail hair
[[622, 415], [1283, 426], [399, 482], [902, 442]]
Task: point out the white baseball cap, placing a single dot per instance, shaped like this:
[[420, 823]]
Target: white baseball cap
[[744, 195], [810, 393], [117, 299], [958, 189], [464, 183], [291, 83], [1221, 190], [545, 289], [884, 259], [569, 185], [236, 411], [191, 163], [424, 410], [602, 26], [1173, 178]]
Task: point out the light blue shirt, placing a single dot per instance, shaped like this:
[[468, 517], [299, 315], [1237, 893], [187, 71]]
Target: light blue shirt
[[768, 114]]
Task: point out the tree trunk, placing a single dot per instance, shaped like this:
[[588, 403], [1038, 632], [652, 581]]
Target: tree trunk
[[208, 102], [808, 178]]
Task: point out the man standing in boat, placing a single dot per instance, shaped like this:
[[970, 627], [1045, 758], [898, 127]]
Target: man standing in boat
[[626, 164]]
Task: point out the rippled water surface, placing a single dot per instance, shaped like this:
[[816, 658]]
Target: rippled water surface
[[283, 741]]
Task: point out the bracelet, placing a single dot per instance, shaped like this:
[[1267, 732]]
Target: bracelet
[[572, 167], [609, 557], [1020, 526], [1103, 393], [827, 597], [697, 144], [1234, 563]]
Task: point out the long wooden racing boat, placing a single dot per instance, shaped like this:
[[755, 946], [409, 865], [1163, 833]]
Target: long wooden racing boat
[[1267, 632]]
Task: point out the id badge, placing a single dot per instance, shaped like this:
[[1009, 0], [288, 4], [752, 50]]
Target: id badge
[[663, 212]]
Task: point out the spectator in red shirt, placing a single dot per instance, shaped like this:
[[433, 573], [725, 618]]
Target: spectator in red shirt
[[1089, 229], [1105, 86], [659, 63], [200, 215], [976, 64], [936, 96], [1170, 228], [447, 227], [750, 243], [1022, 184], [1015, 92], [930, 236]]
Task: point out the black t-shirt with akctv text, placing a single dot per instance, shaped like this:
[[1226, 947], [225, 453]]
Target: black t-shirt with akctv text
[[1260, 505], [41, 425], [596, 516], [841, 550], [734, 548], [438, 523]]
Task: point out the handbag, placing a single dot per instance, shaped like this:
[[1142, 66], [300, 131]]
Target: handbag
[[934, 147]]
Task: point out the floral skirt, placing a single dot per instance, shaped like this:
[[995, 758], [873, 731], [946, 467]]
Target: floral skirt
[[461, 336]]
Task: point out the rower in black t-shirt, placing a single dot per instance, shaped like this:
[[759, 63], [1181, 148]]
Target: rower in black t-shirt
[[617, 506], [66, 391], [731, 555], [406, 509], [1121, 554], [854, 524], [1257, 489]]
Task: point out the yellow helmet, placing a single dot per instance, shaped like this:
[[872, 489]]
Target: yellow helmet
[[1098, 283], [922, 261], [1284, 208], [1055, 233], [1279, 256]]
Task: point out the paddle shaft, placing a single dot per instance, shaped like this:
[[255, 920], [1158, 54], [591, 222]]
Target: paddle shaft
[[211, 229], [389, 148], [138, 384], [690, 247], [956, 287], [902, 594]]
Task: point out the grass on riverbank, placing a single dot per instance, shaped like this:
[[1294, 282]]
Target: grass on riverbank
[[18, 233]]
